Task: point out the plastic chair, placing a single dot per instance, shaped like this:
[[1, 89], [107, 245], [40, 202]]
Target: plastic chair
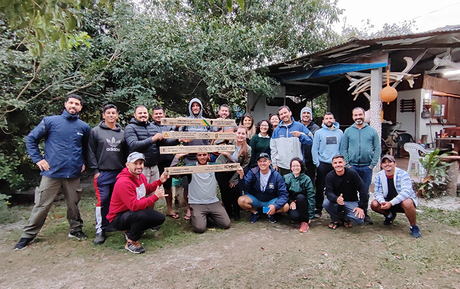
[[403, 138], [414, 151]]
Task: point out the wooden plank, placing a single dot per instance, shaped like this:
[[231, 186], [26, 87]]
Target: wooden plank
[[201, 169], [196, 149], [197, 135], [198, 122]]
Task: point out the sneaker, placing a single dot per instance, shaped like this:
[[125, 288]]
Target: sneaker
[[415, 231], [368, 220], [79, 235], [156, 228], [271, 218], [318, 214], [23, 243], [303, 227], [389, 219], [254, 217], [134, 247], [100, 238]]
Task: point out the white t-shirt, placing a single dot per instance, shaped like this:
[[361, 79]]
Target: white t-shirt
[[264, 180]]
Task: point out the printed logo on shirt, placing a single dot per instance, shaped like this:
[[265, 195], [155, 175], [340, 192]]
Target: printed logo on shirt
[[140, 191], [331, 140], [271, 186], [79, 133], [113, 143]]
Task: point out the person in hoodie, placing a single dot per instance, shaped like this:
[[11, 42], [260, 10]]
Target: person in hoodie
[[264, 188], [106, 156], [326, 144], [130, 207], [287, 139], [301, 195], [66, 142], [305, 119], [142, 136], [361, 148], [195, 108]]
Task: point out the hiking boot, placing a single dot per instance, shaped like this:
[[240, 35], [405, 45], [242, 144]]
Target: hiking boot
[[271, 218], [134, 247], [23, 243], [389, 219], [100, 238], [254, 217], [415, 231], [368, 220], [79, 235], [303, 227]]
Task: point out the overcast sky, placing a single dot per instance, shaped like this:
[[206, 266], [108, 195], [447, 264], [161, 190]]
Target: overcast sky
[[428, 14]]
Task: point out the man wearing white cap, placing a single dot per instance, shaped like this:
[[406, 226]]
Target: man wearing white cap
[[129, 207]]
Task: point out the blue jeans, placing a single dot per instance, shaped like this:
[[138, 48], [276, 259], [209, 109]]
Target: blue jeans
[[365, 172], [337, 212]]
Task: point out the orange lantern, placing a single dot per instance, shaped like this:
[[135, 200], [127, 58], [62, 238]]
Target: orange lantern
[[388, 93]]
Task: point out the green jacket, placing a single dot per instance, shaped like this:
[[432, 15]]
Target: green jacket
[[361, 147], [301, 185]]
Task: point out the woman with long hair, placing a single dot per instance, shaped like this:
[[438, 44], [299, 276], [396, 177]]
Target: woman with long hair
[[228, 181], [248, 122], [301, 194], [260, 142], [274, 119]]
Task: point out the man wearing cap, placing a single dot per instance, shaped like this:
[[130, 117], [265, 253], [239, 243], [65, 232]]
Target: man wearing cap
[[305, 119], [394, 194], [264, 188], [346, 195], [202, 196], [129, 207]]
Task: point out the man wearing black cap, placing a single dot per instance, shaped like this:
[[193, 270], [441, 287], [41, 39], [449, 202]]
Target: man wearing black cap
[[394, 194], [129, 207], [264, 188]]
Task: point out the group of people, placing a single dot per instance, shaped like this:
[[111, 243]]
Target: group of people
[[285, 167]]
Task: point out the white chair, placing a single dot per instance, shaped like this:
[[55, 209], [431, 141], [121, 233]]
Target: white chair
[[414, 157]]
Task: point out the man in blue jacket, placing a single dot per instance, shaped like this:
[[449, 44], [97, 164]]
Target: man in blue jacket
[[361, 148], [287, 139], [66, 140], [264, 188]]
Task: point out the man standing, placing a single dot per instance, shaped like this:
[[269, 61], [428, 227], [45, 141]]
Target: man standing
[[106, 156], [286, 141], [394, 194], [165, 159], [223, 113], [66, 141], [131, 202], [361, 148], [202, 197], [264, 188], [305, 116], [326, 144], [142, 137], [346, 195]]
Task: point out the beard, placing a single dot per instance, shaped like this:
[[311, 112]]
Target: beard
[[359, 121], [329, 124]]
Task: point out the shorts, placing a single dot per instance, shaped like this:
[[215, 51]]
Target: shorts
[[398, 208], [260, 204]]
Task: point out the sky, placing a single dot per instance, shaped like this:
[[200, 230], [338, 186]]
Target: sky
[[427, 14]]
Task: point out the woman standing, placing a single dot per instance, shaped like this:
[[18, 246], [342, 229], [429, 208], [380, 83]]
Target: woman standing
[[301, 195], [274, 120], [228, 181], [248, 123], [260, 142]]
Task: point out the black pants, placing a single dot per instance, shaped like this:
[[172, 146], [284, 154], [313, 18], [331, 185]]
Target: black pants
[[311, 171], [137, 222], [321, 172], [300, 214], [229, 195]]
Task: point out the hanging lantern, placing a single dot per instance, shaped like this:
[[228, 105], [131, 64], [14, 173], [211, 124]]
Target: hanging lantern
[[388, 93]]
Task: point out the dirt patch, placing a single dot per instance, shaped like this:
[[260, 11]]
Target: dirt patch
[[245, 256]]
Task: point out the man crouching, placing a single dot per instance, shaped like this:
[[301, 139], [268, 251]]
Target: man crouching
[[128, 207]]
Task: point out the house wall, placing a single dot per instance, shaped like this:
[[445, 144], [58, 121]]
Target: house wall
[[258, 107]]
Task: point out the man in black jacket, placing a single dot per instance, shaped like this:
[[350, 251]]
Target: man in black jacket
[[346, 193], [106, 158], [142, 136]]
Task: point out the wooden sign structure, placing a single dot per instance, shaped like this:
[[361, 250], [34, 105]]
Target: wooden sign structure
[[197, 135], [198, 122], [201, 169], [196, 149]]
